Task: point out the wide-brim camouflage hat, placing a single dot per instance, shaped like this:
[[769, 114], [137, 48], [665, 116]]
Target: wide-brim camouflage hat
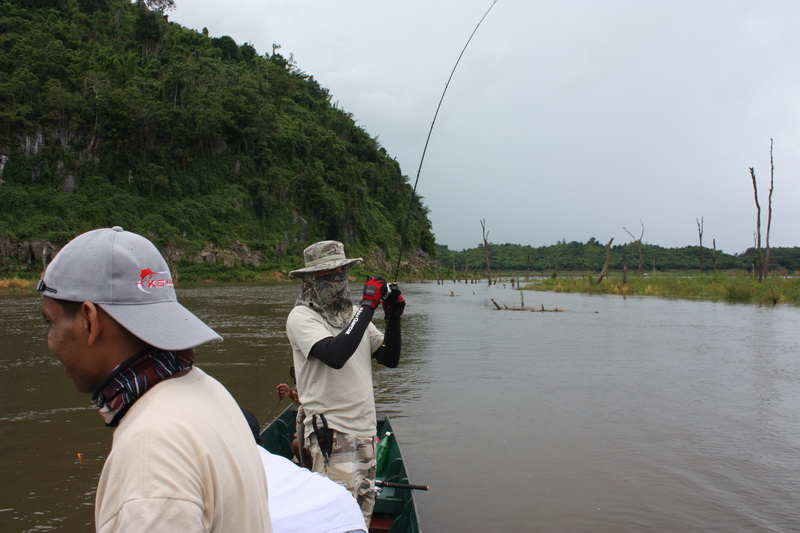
[[324, 255]]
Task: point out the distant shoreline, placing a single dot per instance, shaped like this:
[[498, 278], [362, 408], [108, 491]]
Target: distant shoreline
[[738, 288]]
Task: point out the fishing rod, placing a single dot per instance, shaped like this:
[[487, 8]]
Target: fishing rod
[[427, 140], [393, 485], [268, 418]]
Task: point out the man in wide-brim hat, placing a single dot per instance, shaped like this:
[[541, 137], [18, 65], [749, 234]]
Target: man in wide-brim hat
[[333, 344]]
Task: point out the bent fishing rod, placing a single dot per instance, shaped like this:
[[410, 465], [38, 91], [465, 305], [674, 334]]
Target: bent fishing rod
[[427, 140]]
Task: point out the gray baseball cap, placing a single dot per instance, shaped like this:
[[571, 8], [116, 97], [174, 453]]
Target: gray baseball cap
[[125, 275], [324, 255]]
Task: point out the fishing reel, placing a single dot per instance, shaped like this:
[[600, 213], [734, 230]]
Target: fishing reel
[[390, 287]]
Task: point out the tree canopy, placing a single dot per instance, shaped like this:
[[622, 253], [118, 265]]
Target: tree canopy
[[112, 114], [587, 257]]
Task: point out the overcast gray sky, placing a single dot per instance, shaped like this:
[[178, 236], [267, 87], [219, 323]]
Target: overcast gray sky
[[565, 119]]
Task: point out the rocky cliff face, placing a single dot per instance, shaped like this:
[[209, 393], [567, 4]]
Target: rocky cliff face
[[32, 256], [234, 255], [418, 262], [37, 253], [30, 253], [33, 144]]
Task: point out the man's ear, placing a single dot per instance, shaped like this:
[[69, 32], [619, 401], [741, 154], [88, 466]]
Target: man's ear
[[92, 322]]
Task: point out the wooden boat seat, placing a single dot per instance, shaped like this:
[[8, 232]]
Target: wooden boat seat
[[380, 524]]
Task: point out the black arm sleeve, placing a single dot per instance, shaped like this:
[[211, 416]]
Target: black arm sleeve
[[389, 353], [335, 351]]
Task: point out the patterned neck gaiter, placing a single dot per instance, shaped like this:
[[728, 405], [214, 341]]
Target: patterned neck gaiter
[[118, 392], [329, 296]]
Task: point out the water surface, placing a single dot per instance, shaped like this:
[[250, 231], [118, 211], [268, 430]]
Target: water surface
[[614, 415]]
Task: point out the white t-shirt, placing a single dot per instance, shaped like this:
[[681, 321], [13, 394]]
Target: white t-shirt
[[301, 501], [345, 395], [183, 460]]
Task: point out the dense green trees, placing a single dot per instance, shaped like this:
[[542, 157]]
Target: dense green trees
[[111, 114], [589, 257]]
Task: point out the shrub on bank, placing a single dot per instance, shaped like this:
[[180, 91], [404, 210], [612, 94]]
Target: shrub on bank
[[16, 284]]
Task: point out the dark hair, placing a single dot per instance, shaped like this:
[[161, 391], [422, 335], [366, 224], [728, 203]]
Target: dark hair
[[252, 423], [70, 308]]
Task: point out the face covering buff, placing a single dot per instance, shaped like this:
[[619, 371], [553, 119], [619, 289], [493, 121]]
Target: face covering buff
[[329, 296]]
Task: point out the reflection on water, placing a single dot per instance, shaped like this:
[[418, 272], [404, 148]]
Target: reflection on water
[[613, 415]]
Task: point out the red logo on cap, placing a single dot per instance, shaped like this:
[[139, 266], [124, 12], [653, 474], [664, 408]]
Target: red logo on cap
[[148, 279]]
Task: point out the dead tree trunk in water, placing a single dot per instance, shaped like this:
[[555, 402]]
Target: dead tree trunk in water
[[638, 247], [714, 255], [769, 209], [759, 266], [608, 258], [700, 233], [486, 251], [528, 267]]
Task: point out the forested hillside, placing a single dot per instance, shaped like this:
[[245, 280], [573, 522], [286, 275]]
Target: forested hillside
[[111, 114], [590, 256]]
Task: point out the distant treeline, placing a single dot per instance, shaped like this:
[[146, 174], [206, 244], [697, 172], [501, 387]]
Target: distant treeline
[[110, 114], [590, 256]]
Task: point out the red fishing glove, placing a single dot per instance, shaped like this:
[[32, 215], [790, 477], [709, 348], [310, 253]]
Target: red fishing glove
[[374, 291]]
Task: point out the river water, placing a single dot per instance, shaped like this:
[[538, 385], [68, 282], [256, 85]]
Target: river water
[[614, 415]]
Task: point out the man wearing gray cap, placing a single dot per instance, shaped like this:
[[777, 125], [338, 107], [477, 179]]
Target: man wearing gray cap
[[333, 344], [182, 457]]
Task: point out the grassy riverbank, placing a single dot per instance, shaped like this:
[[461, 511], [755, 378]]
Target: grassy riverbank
[[215, 273], [16, 285], [738, 288], [201, 275], [210, 273]]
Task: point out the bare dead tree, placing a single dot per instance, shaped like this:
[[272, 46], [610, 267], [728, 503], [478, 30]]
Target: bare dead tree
[[528, 267], [608, 258], [714, 255], [486, 250], [700, 233], [759, 266], [638, 247], [769, 209]]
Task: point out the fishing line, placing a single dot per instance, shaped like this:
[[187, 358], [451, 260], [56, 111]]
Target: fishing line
[[267, 419], [425, 149]]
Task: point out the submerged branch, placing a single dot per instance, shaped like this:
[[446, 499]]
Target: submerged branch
[[523, 308]]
